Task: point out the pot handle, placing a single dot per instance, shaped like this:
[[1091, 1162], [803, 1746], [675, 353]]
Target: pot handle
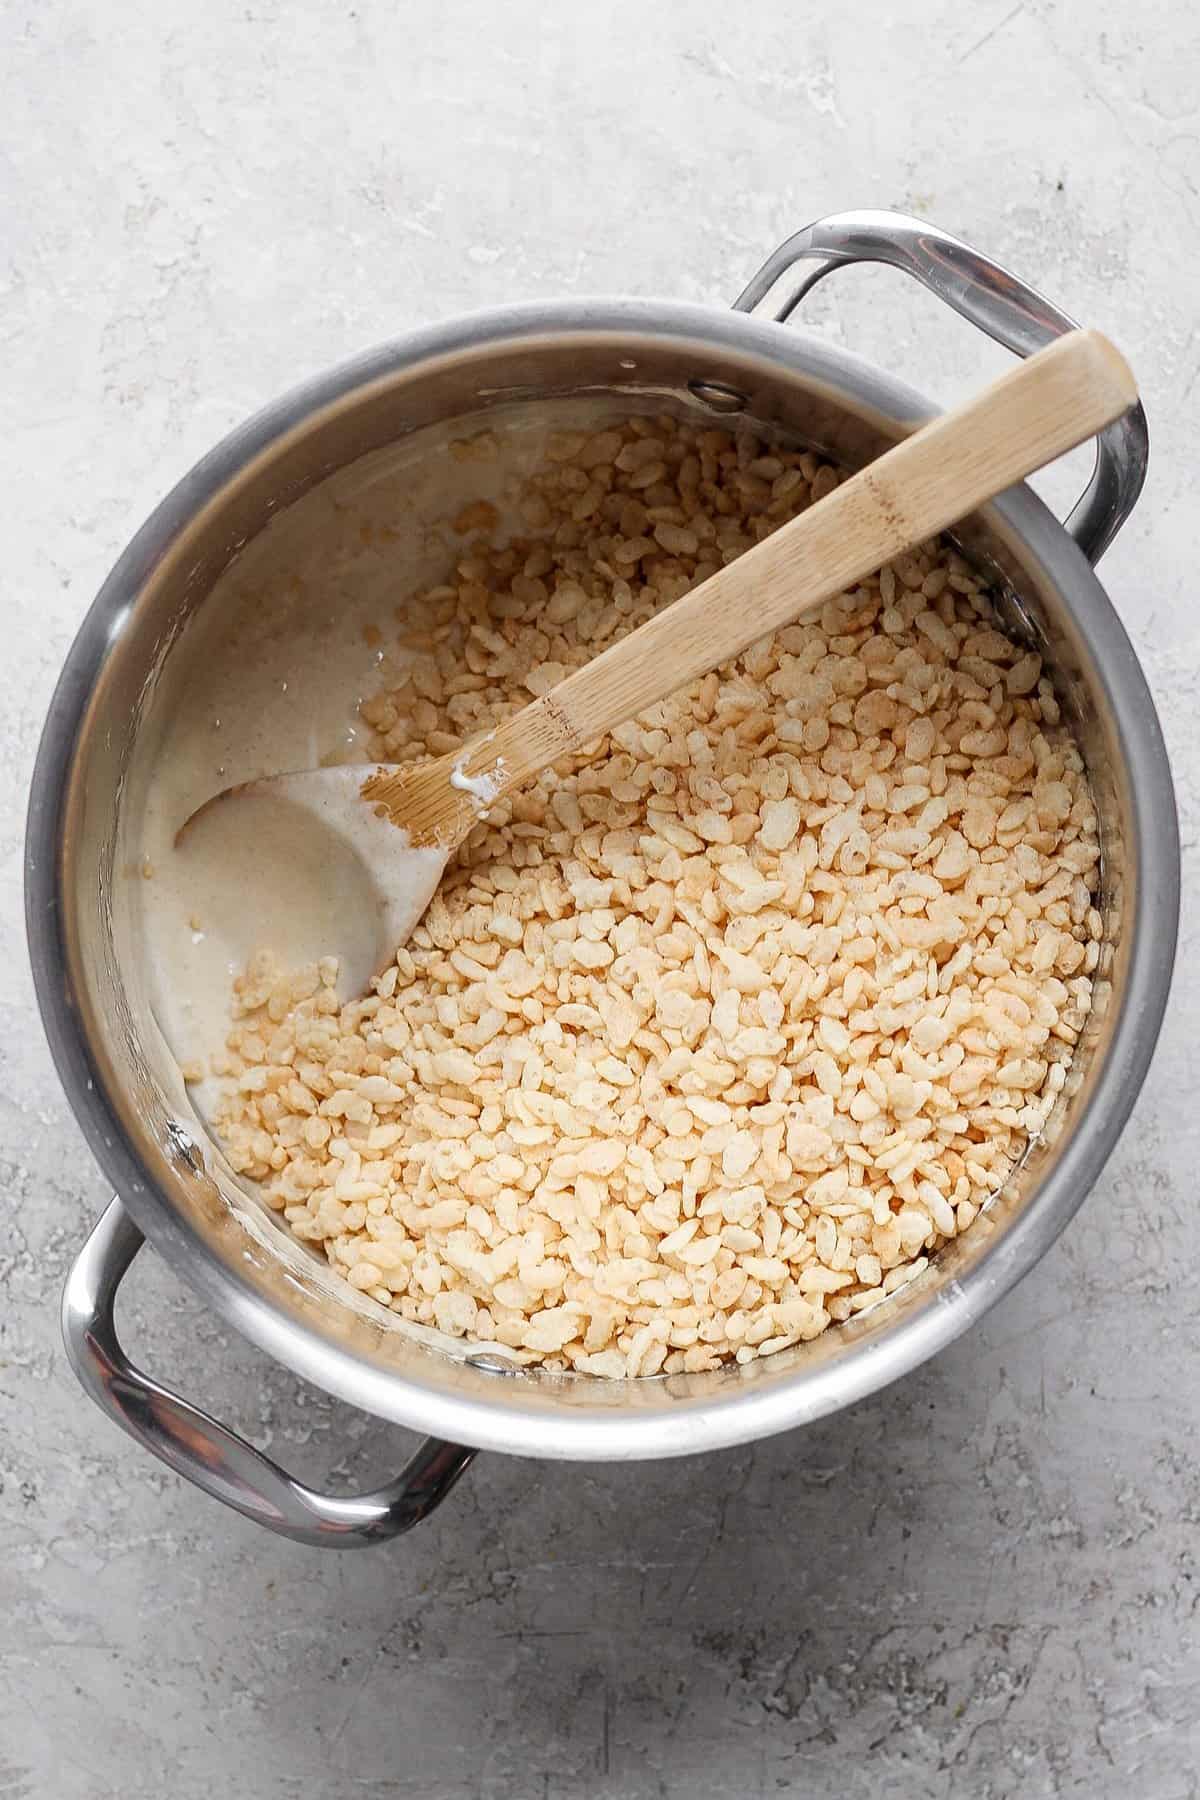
[[207, 1453], [987, 296]]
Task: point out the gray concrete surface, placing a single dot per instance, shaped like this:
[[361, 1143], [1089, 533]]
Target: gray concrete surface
[[985, 1582]]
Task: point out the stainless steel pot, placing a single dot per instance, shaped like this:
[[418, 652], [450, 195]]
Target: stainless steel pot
[[697, 361]]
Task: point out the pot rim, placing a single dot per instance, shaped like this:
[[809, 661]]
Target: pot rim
[[732, 1416]]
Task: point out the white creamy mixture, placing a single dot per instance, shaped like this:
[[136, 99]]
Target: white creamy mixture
[[268, 680], [485, 786], [254, 873]]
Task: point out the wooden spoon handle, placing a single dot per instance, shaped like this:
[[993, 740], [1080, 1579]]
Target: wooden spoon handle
[[1037, 411]]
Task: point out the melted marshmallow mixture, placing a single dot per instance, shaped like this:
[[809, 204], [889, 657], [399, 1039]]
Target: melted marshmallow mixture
[[296, 635]]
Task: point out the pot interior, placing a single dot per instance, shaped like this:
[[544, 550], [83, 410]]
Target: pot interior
[[349, 501]]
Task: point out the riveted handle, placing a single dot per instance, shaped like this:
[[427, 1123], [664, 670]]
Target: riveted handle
[[988, 296], [207, 1453]]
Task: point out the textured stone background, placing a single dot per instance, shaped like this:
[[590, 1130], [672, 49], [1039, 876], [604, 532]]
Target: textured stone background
[[984, 1582]]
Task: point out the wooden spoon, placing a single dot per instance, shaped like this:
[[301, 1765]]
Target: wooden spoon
[[406, 820]]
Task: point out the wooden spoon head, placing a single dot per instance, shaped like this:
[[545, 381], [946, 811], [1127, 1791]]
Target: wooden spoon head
[[365, 874]]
